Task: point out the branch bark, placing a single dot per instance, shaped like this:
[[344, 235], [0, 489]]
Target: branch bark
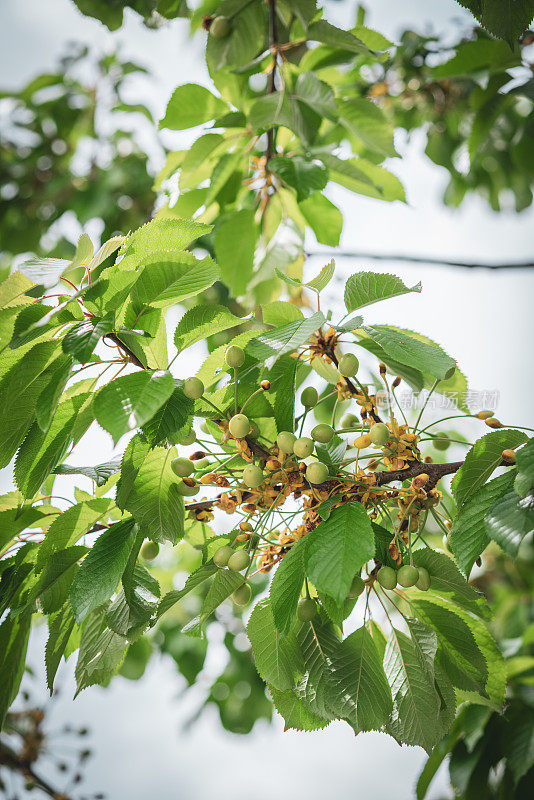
[[271, 84]]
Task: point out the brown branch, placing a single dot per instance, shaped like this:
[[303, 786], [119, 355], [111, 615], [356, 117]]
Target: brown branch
[[434, 472], [440, 262], [131, 355], [271, 84], [17, 763]]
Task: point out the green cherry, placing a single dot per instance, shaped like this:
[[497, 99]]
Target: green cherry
[[253, 476], [317, 472], [407, 576], [238, 561], [285, 441], [348, 365], [235, 356], [242, 595], [239, 426], [306, 609], [423, 582], [222, 555], [303, 447], [309, 397], [387, 577], [379, 434], [193, 388], [149, 551], [182, 467], [220, 27], [322, 433]]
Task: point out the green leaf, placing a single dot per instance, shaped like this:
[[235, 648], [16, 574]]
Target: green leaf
[[365, 288], [323, 31], [481, 460], [14, 520], [224, 584], [100, 572], [60, 627], [100, 473], [277, 660], [40, 452], [132, 400], [358, 689], [322, 280], [447, 581], [157, 237], [235, 241], [318, 642], [323, 217], [338, 548], [22, 383], [67, 528], [197, 578], [101, 653], [52, 586], [14, 635], [283, 379], [507, 19], [48, 400], [279, 108], [169, 279], [410, 351], [285, 339], [468, 534], [135, 602], [455, 637], [414, 719], [332, 454], [191, 105], [519, 740], [286, 586], [509, 520], [525, 469], [279, 312], [201, 321], [12, 287], [302, 174], [296, 712], [82, 339], [317, 94], [148, 489], [172, 417], [368, 123], [245, 40]]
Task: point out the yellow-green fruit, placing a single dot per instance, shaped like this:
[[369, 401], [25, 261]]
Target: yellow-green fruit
[[221, 556], [235, 356], [423, 582], [322, 433], [387, 577], [303, 447], [189, 438], [441, 442], [407, 576], [193, 388], [309, 397], [187, 491], [149, 551], [182, 467], [285, 441], [379, 434], [239, 426], [242, 595], [350, 421], [316, 473], [348, 365], [238, 561], [252, 476], [306, 609], [202, 464], [220, 27], [357, 587]]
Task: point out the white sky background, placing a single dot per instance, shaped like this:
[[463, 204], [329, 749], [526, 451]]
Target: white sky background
[[481, 318]]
